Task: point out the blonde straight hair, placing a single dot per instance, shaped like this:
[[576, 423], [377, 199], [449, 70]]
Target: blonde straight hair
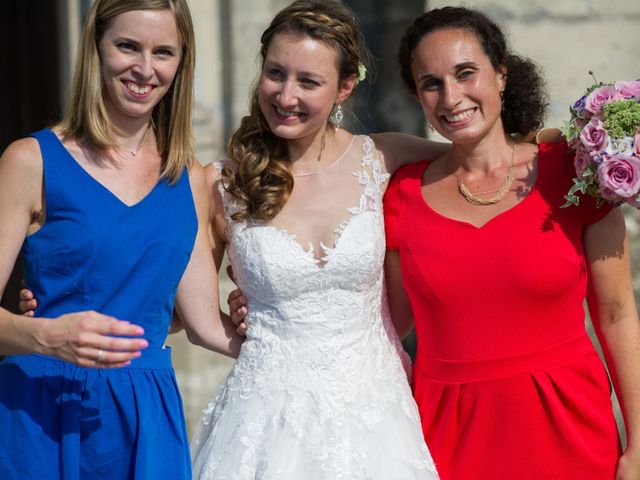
[[86, 115]]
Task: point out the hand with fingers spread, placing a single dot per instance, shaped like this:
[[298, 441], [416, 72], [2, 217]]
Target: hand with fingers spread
[[90, 339]]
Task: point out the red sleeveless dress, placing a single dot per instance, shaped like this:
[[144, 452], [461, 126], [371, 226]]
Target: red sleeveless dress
[[508, 384]]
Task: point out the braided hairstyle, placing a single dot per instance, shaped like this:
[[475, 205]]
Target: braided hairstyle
[[259, 177], [525, 100]]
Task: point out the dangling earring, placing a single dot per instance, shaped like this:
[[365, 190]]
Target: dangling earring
[[502, 99], [337, 116]]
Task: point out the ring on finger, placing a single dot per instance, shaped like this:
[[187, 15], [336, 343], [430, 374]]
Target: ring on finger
[[99, 357]]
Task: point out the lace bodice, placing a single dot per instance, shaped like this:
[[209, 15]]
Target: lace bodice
[[292, 293], [316, 335]]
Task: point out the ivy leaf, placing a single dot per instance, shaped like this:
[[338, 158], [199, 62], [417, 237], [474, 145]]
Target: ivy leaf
[[571, 200]]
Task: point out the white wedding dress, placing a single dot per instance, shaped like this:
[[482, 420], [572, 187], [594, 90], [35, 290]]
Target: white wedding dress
[[319, 391]]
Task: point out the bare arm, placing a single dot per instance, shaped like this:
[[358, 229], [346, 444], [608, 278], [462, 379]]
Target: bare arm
[[399, 305], [197, 299], [20, 187], [615, 318], [81, 338], [398, 149]]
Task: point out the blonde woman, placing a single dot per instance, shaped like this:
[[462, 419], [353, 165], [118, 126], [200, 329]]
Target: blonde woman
[[109, 208]]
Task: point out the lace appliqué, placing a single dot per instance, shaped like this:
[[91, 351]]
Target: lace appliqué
[[318, 391]]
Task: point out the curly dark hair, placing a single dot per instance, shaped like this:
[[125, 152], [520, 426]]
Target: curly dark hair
[[525, 98], [260, 178]]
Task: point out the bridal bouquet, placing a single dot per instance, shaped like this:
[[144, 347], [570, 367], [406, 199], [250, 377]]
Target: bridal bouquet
[[604, 132]]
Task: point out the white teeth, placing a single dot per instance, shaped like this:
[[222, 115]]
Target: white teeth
[[286, 113], [139, 90], [460, 116]]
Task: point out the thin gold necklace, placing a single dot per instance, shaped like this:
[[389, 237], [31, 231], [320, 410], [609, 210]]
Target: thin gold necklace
[[500, 192]]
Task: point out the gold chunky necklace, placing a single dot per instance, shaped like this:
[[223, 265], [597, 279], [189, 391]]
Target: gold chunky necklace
[[500, 192]]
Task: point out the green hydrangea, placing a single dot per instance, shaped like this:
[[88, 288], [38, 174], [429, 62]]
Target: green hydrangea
[[622, 118]]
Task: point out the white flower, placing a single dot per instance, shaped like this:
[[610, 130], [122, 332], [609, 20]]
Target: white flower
[[619, 146]]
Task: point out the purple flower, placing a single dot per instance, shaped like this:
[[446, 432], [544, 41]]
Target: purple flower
[[636, 144], [628, 89], [578, 107], [600, 97], [594, 136], [582, 160], [619, 178]]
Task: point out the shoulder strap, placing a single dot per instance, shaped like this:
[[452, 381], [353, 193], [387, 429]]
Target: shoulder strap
[[371, 176], [51, 149]]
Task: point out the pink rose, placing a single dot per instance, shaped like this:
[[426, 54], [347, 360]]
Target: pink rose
[[628, 89], [600, 97], [582, 160], [619, 178], [594, 136]]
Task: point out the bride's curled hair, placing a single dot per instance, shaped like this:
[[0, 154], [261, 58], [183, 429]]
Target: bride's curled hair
[[259, 176]]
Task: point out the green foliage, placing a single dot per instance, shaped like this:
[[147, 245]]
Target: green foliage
[[570, 131], [585, 184], [622, 118]]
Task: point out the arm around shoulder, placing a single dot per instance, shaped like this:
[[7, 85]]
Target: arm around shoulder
[[398, 149]]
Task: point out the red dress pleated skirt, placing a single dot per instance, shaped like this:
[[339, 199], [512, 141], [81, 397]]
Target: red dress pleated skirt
[[534, 416]]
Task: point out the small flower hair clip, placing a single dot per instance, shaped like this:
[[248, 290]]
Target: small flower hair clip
[[362, 72]]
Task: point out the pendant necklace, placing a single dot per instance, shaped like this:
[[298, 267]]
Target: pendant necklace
[[331, 165], [140, 143]]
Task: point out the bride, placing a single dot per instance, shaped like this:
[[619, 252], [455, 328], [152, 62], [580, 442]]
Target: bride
[[319, 390]]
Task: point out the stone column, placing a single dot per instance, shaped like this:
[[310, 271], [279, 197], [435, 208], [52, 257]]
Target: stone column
[[385, 104]]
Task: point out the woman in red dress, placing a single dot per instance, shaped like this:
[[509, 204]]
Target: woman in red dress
[[508, 384]]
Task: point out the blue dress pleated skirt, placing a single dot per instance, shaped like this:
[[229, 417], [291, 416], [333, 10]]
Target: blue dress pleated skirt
[[59, 421], [77, 423]]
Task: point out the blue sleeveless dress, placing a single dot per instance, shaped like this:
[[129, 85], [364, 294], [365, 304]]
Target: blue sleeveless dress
[[61, 421]]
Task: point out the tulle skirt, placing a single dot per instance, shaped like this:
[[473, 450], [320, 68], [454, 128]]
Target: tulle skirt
[[291, 433]]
